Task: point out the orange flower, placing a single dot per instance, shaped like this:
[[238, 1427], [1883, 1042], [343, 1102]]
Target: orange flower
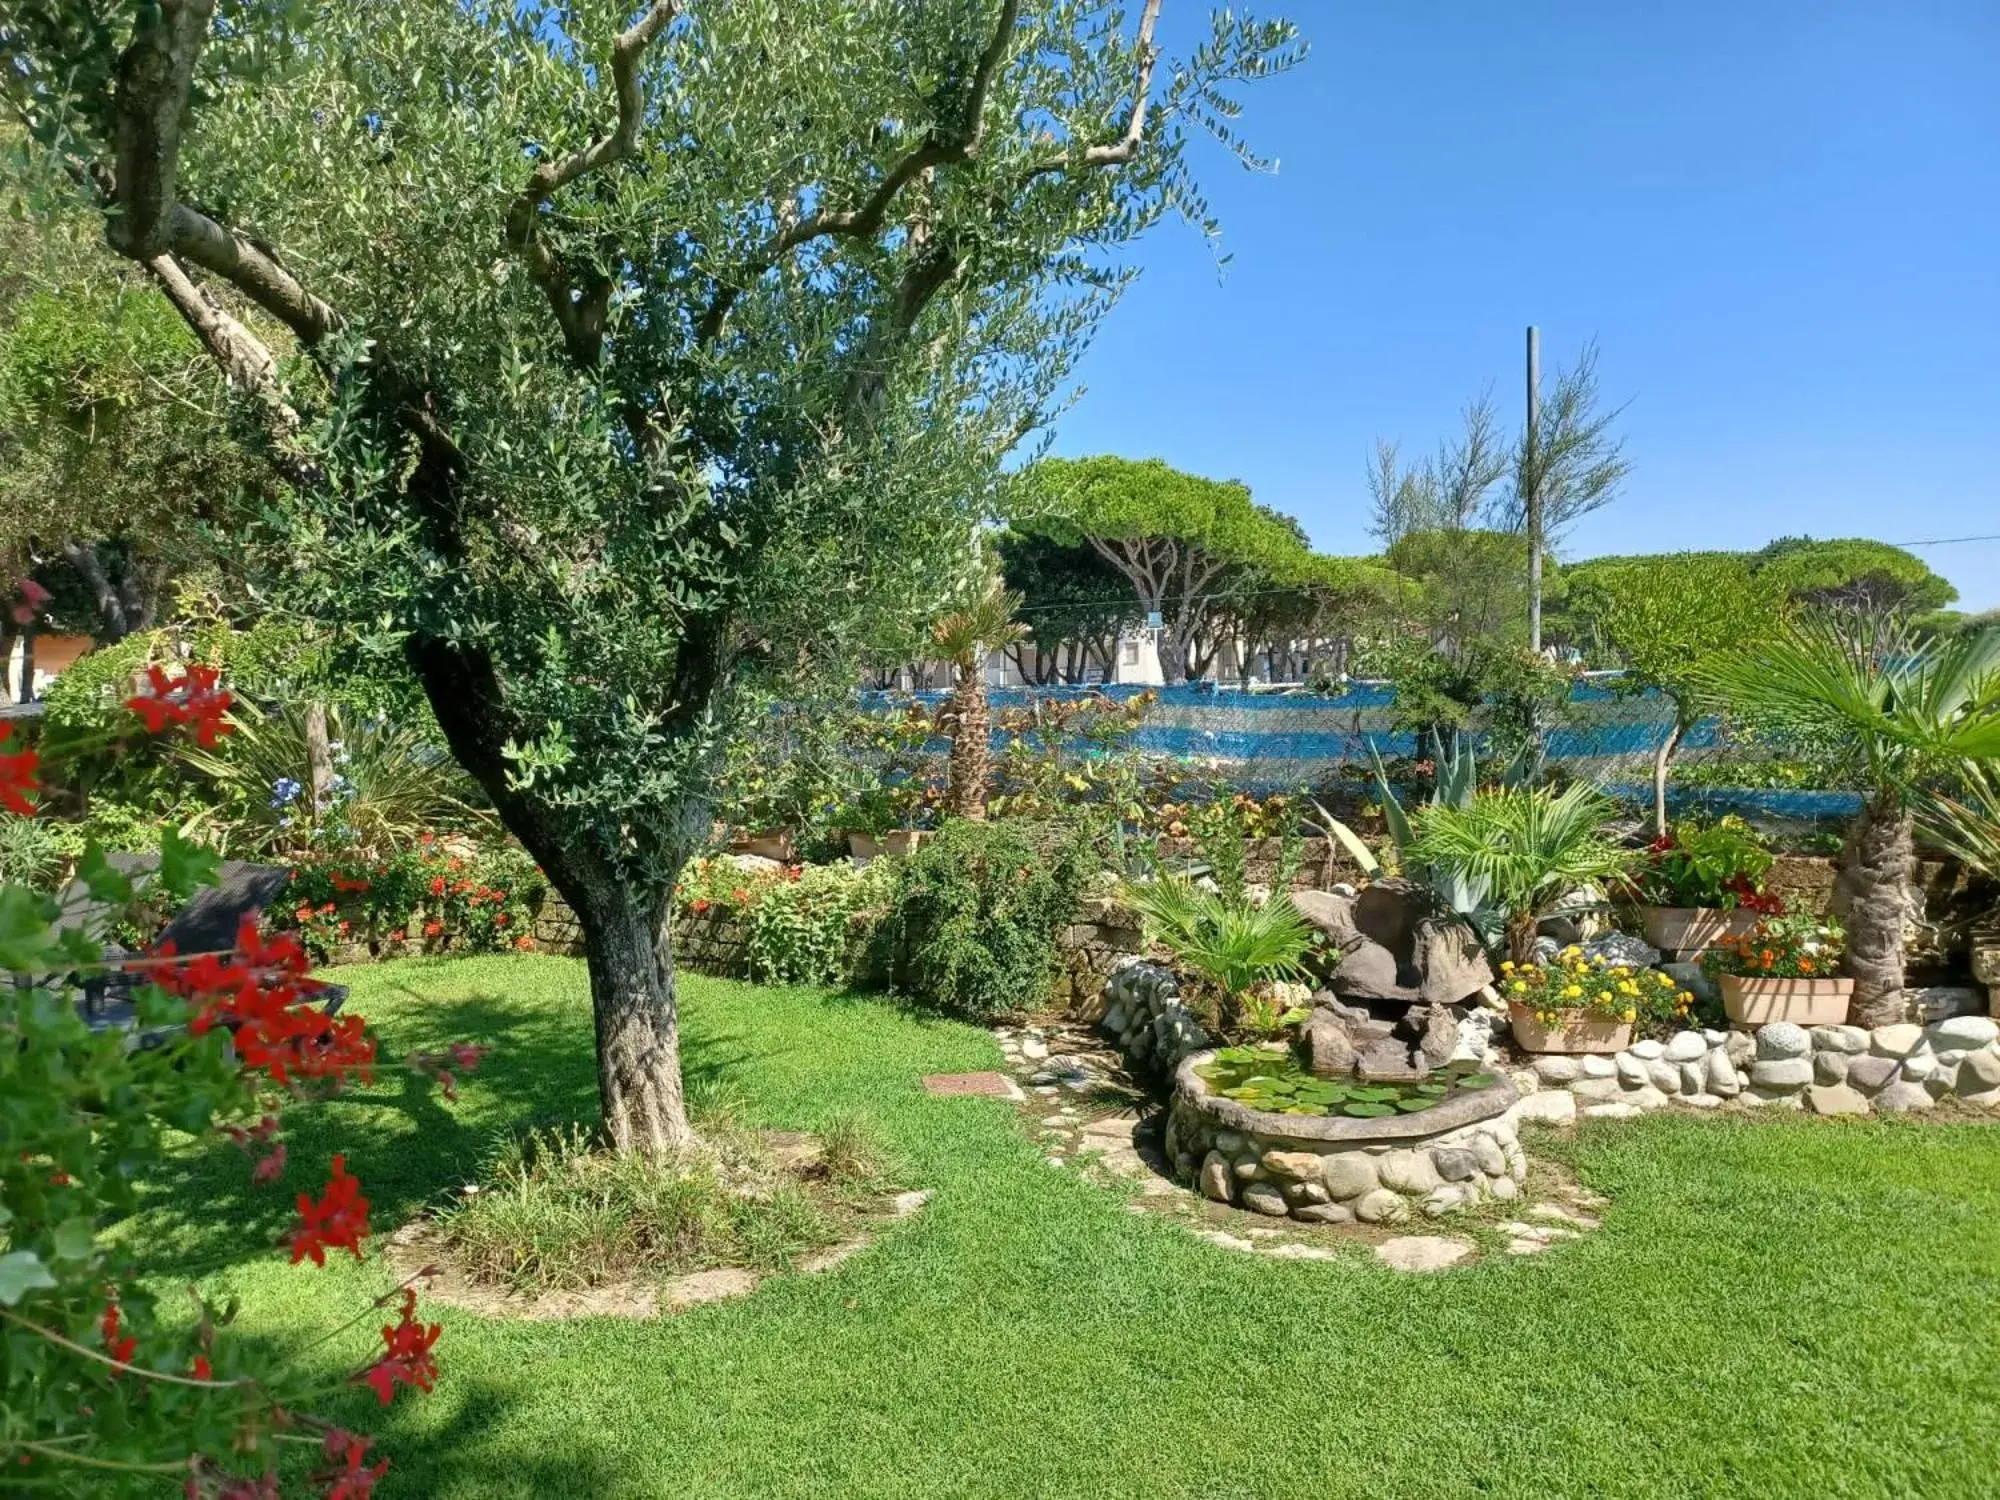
[[1805, 966]]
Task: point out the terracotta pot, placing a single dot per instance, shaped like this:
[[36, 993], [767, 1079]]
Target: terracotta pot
[[1577, 1032], [776, 844], [1694, 929], [1805, 1002]]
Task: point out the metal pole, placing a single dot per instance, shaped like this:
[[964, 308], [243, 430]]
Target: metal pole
[[1531, 471]]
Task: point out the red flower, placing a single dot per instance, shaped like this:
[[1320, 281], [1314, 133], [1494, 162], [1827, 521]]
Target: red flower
[[120, 1349], [201, 1369], [354, 1478], [500, 920], [739, 895], [524, 942], [408, 1360], [270, 1167], [304, 912], [192, 698], [339, 1219], [17, 777], [437, 885], [432, 929]]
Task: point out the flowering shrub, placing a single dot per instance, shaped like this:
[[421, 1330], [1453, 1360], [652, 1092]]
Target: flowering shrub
[[1719, 866], [481, 900], [1797, 947], [99, 1393], [806, 924], [1575, 981]]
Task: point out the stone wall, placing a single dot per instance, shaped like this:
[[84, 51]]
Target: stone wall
[[1324, 863], [1831, 1070]]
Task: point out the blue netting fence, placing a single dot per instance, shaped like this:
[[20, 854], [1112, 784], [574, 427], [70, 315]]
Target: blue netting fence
[[1280, 741]]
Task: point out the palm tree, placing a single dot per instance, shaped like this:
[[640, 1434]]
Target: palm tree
[[1966, 820], [1526, 849], [964, 637], [1910, 715]]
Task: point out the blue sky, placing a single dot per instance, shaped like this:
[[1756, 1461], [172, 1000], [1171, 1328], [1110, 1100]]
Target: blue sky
[[1780, 221]]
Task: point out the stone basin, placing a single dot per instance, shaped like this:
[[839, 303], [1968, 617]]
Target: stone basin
[[1334, 1169]]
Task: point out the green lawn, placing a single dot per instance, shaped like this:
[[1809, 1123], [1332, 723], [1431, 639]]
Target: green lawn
[[1782, 1307]]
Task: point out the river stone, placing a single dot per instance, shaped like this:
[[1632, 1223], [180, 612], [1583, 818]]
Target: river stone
[[1408, 1172], [1685, 1046], [1840, 1038], [1347, 1174], [1597, 1089], [1759, 1096], [1984, 1067], [1218, 1180], [1449, 1198], [1938, 1001], [1380, 1206], [1622, 948], [1648, 1050], [1965, 1032], [1872, 1072], [1229, 1142], [1665, 1076], [1492, 1160], [1701, 1101], [1448, 954], [1835, 1099], [1646, 1098], [1781, 1072], [1723, 1078], [1902, 1097], [1299, 1194], [1631, 1070], [1921, 1068], [1370, 972], [1249, 1167], [1781, 1039], [1596, 1065], [1422, 1252], [1331, 914], [1616, 1111], [1895, 1041], [1694, 1077], [1263, 1198], [1548, 1106], [1739, 1048], [1831, 1067], [1293, 1166], [1324, 1213], [1557, 1069], [1504, 1188]]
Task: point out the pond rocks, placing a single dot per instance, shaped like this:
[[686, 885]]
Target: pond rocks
[[1395, 946], [1439, 1040], [1331, 1053], [1263, 1198], [1836, 1099]]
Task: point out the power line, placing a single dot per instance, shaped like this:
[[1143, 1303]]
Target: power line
[[1946, 541]]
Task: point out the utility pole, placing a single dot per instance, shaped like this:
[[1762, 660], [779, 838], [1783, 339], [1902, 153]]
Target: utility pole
[[1531, 471]]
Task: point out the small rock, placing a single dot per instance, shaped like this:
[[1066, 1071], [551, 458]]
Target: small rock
[[1982, 1098], [1455, 1163], [1549, 1106], [1622, 948], [1782, 1072], [1722, 1078], [1218, 1178], [1895, 1041], [1249, 1167], [1034, 1049], [1631, 1069], [1300, 1194], [1599, 1089], [1840, 1039], [1648, 1050], [1229, 1142], [1921, 1068], [1380, 1207], [1596, 1065], [1902, 1097], [1647, 1098], [1449, 1198], [1740, 1048], [1758, 1096], [1492, 1160], [1685, 1046], [1980, 1070], [1665, 1076], [1556, 1068], [1694, 1076], [1967, 1033], [1831, 1067], [1324, 1213], [1264, 1198], [1422, 1252], [1872, 1072], [1781, 1040], [1408, 1172], [1701, 1101], [1293, 1166], [1612, 1112], [1348, 1174], [1503, 1188], [1835, 1099]]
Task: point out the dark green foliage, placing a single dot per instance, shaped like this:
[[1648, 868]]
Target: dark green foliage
[[976, 920]]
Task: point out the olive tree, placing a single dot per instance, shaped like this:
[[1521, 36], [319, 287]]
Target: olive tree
[[618, 354]]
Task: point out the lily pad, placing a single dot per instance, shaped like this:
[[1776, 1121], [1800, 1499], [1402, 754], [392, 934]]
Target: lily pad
[[1412, 1106], [1369, 1111]]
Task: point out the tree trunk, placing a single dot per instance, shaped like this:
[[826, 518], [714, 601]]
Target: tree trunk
[[1873, 894], [1661, 759], [319, 758], [27, 693], [971, 727], [1521, 938], [637, 1018]]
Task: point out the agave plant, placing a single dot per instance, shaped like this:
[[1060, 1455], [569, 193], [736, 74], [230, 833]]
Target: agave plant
[[1525, 850], [1913, 716], [966, 637], [388, 784], [1232, 943]]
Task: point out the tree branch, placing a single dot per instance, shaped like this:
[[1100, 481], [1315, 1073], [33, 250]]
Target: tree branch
[[581, 316], [154, 74], [860, 223], [1126, 147]]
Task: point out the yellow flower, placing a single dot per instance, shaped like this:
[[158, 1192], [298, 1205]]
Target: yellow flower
[[1605, 996], [1572, 991], [1507, 967], [1627, 987], [1666, 981], [1631, 1014], [1572, 951], [1518, 987]]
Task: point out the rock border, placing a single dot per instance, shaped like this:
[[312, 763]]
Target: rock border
[[1467, 1107]]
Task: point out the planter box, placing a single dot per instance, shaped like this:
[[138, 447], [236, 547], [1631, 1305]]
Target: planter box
[[901, 841], [1805, 1002], [774, 845], [1578, 1032], [1694, 929]]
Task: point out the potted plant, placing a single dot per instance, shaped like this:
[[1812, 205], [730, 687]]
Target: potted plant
[[1701, 885], [1576, 1003], [1784, 969]]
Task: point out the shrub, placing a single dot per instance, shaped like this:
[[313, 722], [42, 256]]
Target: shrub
[[480, 899], [977, 912], [1720, 865], [813, 926], [1230, 941]]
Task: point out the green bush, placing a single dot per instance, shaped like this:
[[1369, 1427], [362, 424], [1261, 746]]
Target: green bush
[[804, 924], [977, 912]]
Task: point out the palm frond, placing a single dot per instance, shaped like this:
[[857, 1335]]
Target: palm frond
[[1232, 944], [1525, 848], [1968, 824]]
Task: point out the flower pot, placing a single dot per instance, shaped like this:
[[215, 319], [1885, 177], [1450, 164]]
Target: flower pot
[[903, 840], [1804, 1002], [776, 844], [1694, 929], [1577, 1032], [863, 845]]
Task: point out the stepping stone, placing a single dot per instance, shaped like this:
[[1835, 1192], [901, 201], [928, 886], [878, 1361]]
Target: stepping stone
[[1421, 1252], [990, 1085], [1561, 1215], [1296, 1251], [709, 1286]]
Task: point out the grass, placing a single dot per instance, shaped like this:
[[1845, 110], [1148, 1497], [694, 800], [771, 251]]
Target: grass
[[1777, 1307]]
